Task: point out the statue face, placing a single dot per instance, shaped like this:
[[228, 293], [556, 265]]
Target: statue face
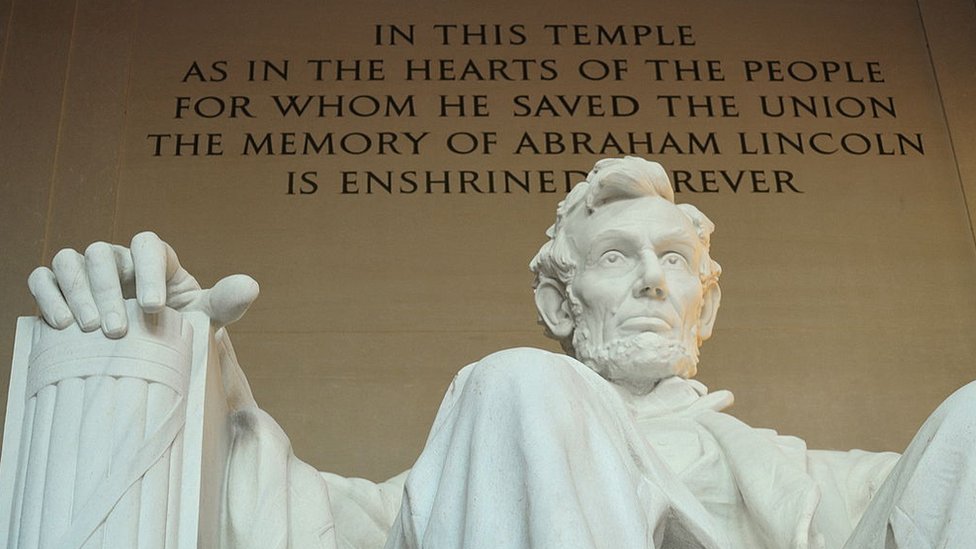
[[637, 298]]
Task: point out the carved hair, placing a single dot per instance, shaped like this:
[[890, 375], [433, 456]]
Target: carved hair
[[612, 180]]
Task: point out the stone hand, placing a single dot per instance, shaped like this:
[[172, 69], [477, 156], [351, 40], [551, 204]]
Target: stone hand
[[89, 289], [712, 402]]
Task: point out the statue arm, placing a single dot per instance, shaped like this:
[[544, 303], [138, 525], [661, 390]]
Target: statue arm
[[271, 490], [272, 496]]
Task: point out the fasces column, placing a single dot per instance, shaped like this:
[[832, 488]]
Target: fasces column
[[99, 450]]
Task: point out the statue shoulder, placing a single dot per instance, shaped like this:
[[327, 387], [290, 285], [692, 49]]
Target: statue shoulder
[[517, 363], [525, 355]]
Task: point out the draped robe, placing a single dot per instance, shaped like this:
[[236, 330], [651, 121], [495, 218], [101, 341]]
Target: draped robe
[[534, 449]]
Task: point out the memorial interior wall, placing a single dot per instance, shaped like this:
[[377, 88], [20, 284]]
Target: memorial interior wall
[[386, 170]]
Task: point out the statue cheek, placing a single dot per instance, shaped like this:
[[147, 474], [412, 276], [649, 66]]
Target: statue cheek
[[688, 300], [601, 296]]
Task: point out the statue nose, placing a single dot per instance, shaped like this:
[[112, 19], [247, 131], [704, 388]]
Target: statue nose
[[655, 292], [650, 281]]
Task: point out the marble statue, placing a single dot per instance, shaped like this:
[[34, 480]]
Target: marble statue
[[115, 442], [610, 445]]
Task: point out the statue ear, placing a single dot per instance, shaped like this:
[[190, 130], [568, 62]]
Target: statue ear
[[710, 302], [553, 307]]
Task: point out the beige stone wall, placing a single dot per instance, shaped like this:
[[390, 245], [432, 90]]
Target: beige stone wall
[[848, 308]]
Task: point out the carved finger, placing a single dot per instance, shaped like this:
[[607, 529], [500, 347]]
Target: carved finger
[[173, 266], [182, 290], [127, 273], [149, 261], [72, 277], [230, 298], [43, 285], [103, 275]]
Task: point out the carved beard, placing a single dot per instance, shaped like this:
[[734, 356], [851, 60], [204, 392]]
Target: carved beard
[[638, 362]]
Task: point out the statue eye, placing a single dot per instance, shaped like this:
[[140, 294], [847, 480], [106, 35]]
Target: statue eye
[[674, 260], [612, 258]]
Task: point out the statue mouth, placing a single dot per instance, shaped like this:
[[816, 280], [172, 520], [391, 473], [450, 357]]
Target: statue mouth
[[640, 324]]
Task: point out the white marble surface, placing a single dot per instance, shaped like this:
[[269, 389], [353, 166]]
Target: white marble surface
[[612, 446], [114, 442]]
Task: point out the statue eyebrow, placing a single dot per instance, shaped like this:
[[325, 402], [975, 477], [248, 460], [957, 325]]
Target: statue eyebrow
[[611, 234], [677, 234], [671, 236]]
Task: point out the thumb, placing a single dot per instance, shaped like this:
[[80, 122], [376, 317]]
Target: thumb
[[229, 299]]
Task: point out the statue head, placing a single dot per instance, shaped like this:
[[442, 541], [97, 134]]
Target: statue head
[[625, 282]]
